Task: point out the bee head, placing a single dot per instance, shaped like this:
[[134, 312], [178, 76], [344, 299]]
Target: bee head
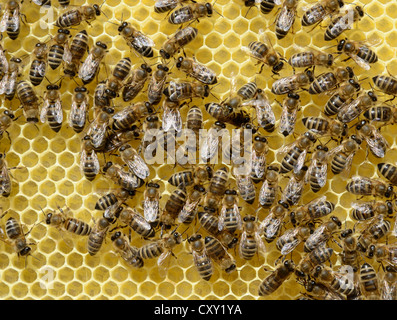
[[97, 10], [122, 26]]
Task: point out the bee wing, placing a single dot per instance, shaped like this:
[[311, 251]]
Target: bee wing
[[5, 181], [15, 19], [288, 246], [151, 209], [58, 114], [199, 258], [210, 144], [97, 133], [258, 164], [202, 72], [364, 207], [286, 18], [287, 120], [141, 40], [44, 109], [221, 219], [3, 61], [317, 236], [360, 62], [4, 20], [139, 167], [264, 192], [11, 83], [95, 160], [320, 174], [172, 119], [77, 115], [387, 290], [3, 84], [243, 240], [377, 143], [300, 162], [88, 67], [67, 55], [40, 68], [293, 190], [164, 261]]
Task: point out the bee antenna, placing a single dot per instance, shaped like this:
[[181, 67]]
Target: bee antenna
[[116, 24]]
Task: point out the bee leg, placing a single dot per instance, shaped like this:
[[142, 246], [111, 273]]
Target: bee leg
[[23, 17]]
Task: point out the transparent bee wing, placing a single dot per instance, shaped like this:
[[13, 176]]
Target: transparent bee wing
[[202, 73], [288, 246], [40, 68], [287, 121], [89, 67], [364, 207], [58, 114], [258, 164], [293, 190], [377, 143], [97, 132], [300, 162], [137, 165], [346, 171], [164, 262], [3, 61], [183, 15], [94, 161], [172, 119], [210, 145], [319, 171], [67, 55], [360, 62], [5, 181], [243, 240], [264, 192], [151, 209], [11, 83], [15, 20], [272, 229], [3, 22], [198, 259], [261, 245], [286, 18], [141, 40], [3, 84], [44, 110], [77, 115], [221, 219], [316, 238]]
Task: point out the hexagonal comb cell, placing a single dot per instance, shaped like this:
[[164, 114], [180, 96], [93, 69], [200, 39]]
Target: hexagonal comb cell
[[45, 164]]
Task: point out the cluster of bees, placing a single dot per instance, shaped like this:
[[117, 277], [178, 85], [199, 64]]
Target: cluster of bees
[[202, 199]]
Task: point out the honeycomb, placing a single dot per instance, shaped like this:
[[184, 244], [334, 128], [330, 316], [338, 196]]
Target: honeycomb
[[49, 175]]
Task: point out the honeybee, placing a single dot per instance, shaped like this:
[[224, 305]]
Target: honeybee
[[326, 126], [192, 11], [389, 171], [229, 217], [161, 248], [329, 80], [137, 40], [172, 120], [246, 187], [116, 197], [201, 260], [89, 162], [385, 114], [383, 253], [337, 281], [74, 17], [5, 122], [197, 176], [78, 47], [179, 91], [373, 230], [8, 83], [295, 152], [315, 209], [189, 210], [250, 242], [218, 253], [320, 292], [352, 110], [63, 221], [173, 207], [286, 18], [311, 58], [268, 192], [341, 157], [162, 6], [364, 186], [135, 82], [264, 111], [341, 95], [98, 128], [293, 191], [318, 169], [292, 83], [126, 251], [386, 84], [226, 113], [136, 222], [322, 234], [134, 161], [115, 82], [278, 276], [10, 20], [271, 225], [291, 238], [264, 52], [126, 180], [258, 158], [157, 83], [16, 237], [388, 284], [217, 187], [312, 259], [59, 50], [375, 140], [210, 144], [38, 66], [290, 108], [79, 109], [359, 52], [97, 236], [29, 100], [343, 22], [177, 41], [317, 12], [350, 255], [127, 116], [196, 70], [52, 108], [90, 66], [369, 282]]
